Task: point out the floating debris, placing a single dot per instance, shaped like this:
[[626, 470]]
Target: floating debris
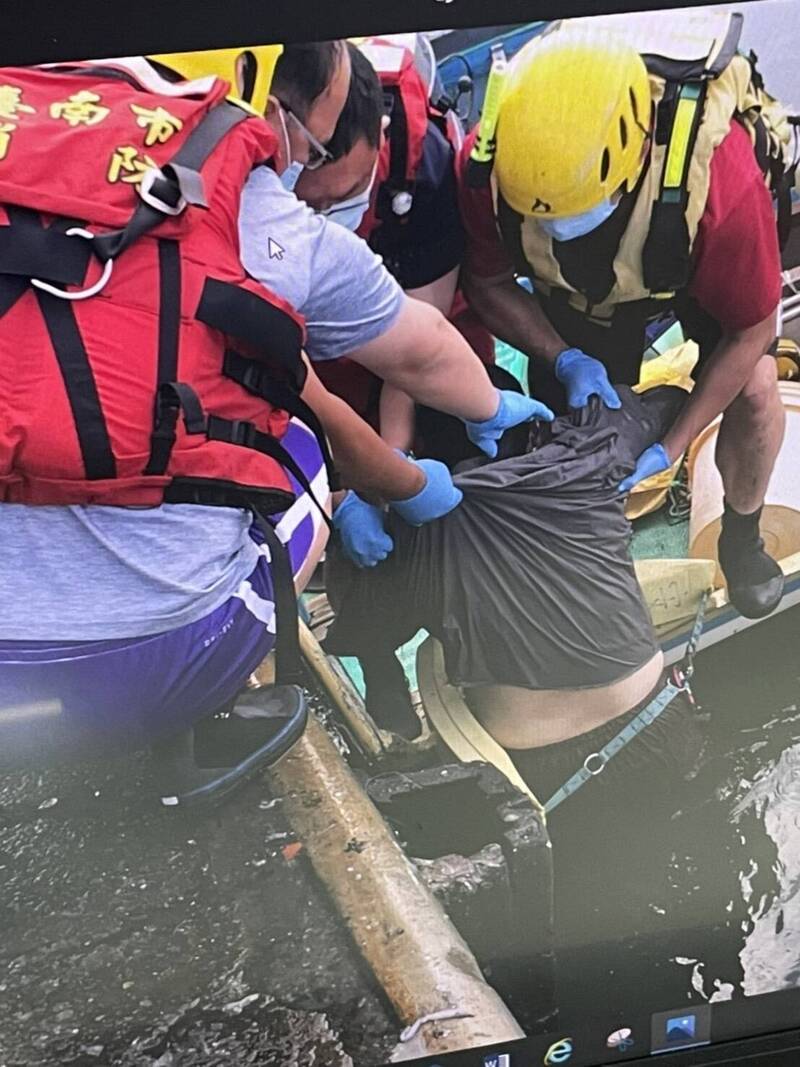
[[411, 1032], [236, 1007]]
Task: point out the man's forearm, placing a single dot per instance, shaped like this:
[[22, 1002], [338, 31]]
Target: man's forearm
[[515, 316], [728, 369]]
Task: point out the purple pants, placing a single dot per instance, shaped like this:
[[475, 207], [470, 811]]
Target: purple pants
[[63, 695]]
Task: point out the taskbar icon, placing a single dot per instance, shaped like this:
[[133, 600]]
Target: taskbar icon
[[673, 1030], [497, 1059], [621, 1040], [559, 1052]]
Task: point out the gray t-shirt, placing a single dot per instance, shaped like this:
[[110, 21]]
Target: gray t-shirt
[[325, 272], [98, 573], [90, 573]]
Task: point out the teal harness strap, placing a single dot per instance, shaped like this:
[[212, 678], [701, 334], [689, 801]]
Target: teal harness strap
[[595, 762]]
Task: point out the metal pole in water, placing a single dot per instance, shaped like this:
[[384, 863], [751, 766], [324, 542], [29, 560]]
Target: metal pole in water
[[420, 960]]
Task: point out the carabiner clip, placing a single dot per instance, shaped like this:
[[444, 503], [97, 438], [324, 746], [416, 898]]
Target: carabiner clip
[[81, 294]]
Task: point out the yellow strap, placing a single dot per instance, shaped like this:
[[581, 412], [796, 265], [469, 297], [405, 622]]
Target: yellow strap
[[483, 150], [681, 135]]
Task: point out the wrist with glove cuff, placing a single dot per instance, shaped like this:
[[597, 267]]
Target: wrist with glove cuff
[[654, 460], [437, 497], [582, 377], [361, 525], [360, 528], [512, 409]]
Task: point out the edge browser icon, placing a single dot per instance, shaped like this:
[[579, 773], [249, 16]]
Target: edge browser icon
[[559, 1052]]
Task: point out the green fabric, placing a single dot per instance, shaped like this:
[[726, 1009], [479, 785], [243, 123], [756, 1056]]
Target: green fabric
[[513, 361]]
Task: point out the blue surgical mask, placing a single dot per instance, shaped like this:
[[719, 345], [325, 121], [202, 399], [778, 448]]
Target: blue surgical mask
[[291, 176], [349, 213], [567, 229]]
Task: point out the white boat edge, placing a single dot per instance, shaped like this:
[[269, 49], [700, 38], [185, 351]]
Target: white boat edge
[[724, 621]]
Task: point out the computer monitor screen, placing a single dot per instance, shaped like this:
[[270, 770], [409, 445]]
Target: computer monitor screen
[[400, 526]]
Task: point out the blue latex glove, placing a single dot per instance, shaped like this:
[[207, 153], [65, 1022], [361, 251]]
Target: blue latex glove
[[512, 409], [652, 461], [436, 498], [360, 527], [584, 376]]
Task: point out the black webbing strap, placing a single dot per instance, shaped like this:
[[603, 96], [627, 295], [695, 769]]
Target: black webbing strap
[[80, 386], [11, 289], [256, 379], [176, 397], [165, 416], [509, 223], [398, 139], [181, 178], [288, 659], [243, 314], [782, 188], [666, 255], [24, 224], [246, 435], [30, 250]]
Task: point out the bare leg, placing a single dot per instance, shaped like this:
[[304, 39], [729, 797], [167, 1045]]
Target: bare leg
[[750, 437], [749, 440]]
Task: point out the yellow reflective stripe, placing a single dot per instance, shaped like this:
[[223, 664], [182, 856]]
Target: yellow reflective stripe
[[483, 149], [679, 140]]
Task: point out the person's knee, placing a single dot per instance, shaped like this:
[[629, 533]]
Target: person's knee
[[757, 399]]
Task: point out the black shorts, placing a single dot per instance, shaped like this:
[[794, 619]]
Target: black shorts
[[652, 766]]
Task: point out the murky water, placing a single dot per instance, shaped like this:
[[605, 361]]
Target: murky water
[[700, 903], [132, 939], [137, 937]]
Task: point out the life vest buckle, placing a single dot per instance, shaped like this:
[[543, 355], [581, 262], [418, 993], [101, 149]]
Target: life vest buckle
[[81, 294], [149, 178], [240, 432]]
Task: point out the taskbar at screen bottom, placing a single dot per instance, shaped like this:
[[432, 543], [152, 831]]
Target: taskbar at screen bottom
[[759, 1029]]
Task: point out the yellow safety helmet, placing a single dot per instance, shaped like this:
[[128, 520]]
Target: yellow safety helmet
[[249, 69], [573, 118]]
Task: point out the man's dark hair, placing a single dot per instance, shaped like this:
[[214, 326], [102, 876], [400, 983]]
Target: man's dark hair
[[363, 109], [304, 72]]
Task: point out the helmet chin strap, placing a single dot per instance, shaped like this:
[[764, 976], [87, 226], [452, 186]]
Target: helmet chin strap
[[633, 181]]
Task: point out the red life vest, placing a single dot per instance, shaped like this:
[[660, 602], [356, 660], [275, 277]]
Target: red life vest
[[173, 382], [410, 110]]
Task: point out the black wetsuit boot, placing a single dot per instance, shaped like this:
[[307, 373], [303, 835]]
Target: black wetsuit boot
[[755, 581]]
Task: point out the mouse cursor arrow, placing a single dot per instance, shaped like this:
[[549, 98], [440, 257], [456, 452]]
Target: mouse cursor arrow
[[275, 250]]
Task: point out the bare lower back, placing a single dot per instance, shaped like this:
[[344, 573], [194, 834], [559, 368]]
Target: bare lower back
[[531, 718]]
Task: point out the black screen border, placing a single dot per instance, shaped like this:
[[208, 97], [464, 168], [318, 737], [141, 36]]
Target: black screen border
[[39, 31]]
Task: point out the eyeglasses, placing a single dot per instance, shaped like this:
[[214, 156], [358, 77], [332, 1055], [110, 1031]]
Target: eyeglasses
[[318, 154]]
